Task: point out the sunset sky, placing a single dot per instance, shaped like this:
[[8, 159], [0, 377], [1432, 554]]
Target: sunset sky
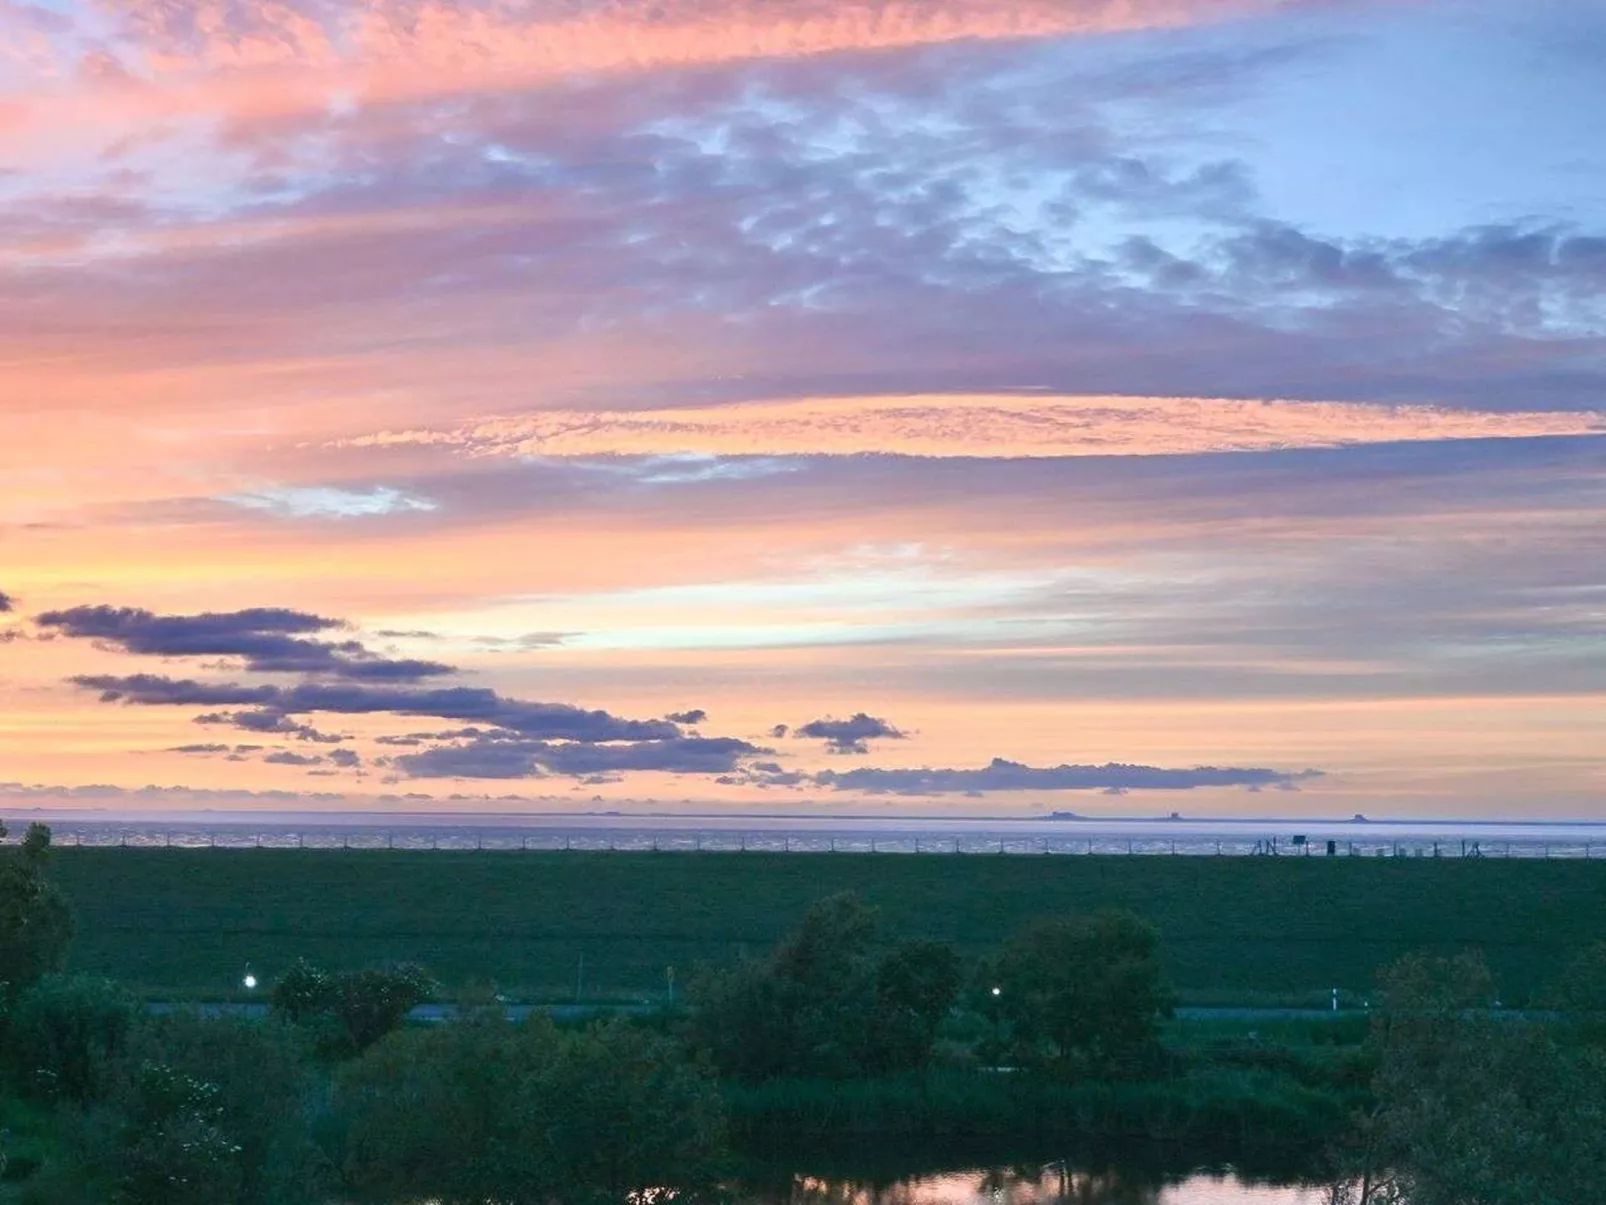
[[941, 406]]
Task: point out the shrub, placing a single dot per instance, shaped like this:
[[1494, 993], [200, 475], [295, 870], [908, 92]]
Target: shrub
[[482, 1110], [350, 1012], [68, 1035]]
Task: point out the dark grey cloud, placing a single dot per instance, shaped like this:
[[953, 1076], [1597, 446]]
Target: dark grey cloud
[[1001, 775], [156, 690], [7, 603], [202, 749], [764, 774], [850, 735], [346, 759], [267, 639], [695, 716], [286, 758], [479, 759], [547, 721], [492, 756], [271, 722]]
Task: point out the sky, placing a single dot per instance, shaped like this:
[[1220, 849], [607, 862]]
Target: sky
[[962, 407]]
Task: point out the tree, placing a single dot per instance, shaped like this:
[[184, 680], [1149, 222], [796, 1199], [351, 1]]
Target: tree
[[36, 924], [1473, 1107], [916, 984], [1083, 993], [827, 1002], [351, 1011], [68, 1036], [1580, 994], [373, 1003], [482, 1111], [302, 992]]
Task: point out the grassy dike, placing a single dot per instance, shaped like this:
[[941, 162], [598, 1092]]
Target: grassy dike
[[184, 923]]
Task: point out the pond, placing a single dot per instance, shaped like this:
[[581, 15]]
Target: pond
[[1034, 1185]]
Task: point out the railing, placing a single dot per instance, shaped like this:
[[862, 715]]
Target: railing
[[757, 841]]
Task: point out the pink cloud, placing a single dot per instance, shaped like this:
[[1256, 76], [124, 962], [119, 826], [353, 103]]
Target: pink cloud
[[145, 60], [1000, 425]]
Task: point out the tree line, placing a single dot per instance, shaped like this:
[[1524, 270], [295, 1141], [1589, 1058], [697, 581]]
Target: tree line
[[335, 1098]]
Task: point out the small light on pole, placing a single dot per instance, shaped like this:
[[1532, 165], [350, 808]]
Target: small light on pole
[[250, 980], [998, 991]]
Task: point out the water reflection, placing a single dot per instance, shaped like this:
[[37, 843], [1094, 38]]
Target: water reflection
[[1035, 1185]]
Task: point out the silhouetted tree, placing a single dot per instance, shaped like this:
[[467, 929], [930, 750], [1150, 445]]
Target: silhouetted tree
[[916, 984], [1473, 1107], [1083, 993], [482, 1110], [828, 1001], [36, 925]]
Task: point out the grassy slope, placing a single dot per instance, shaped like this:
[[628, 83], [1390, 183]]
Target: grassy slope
[[186, 921]]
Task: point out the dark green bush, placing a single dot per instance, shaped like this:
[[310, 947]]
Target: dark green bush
[[67, 1036], [482, 1110], [349, 1012]]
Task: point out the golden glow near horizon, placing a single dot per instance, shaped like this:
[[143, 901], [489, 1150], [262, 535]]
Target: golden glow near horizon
[[1055, 404]]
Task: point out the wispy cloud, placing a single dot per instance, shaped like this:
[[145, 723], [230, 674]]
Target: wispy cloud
[[327, 502], [1009, 426]]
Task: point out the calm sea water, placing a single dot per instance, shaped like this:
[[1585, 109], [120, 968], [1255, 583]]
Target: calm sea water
[[1037, 1187], [822, 834]]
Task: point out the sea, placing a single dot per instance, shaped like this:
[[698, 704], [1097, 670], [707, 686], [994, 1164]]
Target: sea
[[1060, 834]]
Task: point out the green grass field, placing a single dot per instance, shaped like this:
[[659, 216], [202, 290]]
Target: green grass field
[[183, 923]]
